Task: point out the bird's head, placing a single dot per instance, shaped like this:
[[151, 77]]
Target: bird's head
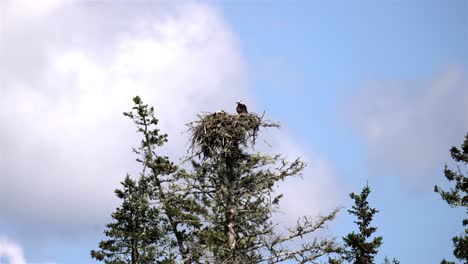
[[239, 102]]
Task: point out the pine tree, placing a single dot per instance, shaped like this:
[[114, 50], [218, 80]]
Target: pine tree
[[135, 231], [393, 261], [154, 218], [458, 197], [220, 211], [179, 210], [359, 250], [237, 188]]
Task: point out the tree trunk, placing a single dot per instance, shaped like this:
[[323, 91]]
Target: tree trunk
[[231, 225], [134, 252], [232, 210]]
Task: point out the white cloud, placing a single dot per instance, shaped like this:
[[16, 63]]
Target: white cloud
[[71, 71], [67, 145], [410, 126], [11, 252]]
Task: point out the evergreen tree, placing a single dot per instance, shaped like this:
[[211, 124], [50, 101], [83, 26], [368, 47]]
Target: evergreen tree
[[135, 231], [154, 218], [458, 197], [237, 188], [219, 212], [359, 250], [393, 261]]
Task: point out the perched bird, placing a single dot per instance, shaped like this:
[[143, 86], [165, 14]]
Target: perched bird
[[241, 108]]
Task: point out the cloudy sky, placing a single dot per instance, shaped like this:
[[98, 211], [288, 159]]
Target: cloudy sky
[[365, 92]]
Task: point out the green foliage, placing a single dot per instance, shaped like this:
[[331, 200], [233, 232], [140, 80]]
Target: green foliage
[[237, 188], [219, 212], [149, 225], [393, 261], [458, 197], [134, 233], [178, 208], [359, 250]]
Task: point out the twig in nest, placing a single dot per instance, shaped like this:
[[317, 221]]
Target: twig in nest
[[223, 134]]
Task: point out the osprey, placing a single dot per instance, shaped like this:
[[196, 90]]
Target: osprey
[[241, 108]]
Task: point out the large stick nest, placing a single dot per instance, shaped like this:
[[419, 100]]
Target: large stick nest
[[221, 133]]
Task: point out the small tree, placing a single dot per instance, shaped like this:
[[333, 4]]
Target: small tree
[[359, 250], [155, 220], [135, 232], [458, 197], [393, 261]]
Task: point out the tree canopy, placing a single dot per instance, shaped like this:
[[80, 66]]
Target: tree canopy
[[359, 250], [457, 196], [217, 210]]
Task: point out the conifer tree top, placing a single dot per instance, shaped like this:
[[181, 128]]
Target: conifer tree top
[[362, 251]]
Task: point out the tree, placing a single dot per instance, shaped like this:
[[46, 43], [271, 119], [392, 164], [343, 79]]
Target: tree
[[237, 188], [458, 197], [151, 225], [135, 232], [393, 261], [219, 211], [359, 250]]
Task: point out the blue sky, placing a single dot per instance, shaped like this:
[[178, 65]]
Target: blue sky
[[325, 53], [366, 91], [327, 50]]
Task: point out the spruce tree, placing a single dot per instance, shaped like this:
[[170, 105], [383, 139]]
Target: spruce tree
[[458, 197], [154, 217], [134, 233], [219, 211], [178, 209], [237, 188], [358, 249], [393, 261]]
